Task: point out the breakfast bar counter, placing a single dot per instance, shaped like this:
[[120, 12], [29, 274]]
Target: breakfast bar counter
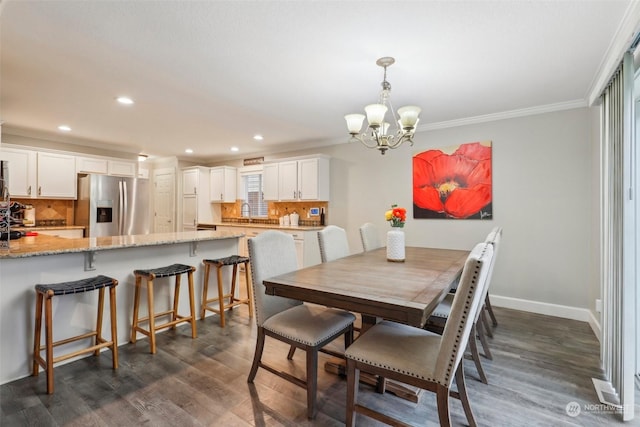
[[49, 259]]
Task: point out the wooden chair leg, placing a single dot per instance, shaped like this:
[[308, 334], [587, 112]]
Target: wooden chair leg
[[136, 309], [98, 338], [353, 382], [221, 295], [49, 342], [176, 300], [152, 320], [483, 340], [249, 288], [192, 305], [257, 356], [205, 290], [464, 397], [487, 303], [37, 334], [475, 355], [485, 322], [292, 351], [442, 399], [114, 326], [312, 381]]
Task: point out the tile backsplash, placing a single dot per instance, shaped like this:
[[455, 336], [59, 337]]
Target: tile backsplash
[[51, 210], [278, 209]]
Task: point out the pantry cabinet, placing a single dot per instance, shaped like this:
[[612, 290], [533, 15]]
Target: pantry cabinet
[[223, 184], [195, 207]]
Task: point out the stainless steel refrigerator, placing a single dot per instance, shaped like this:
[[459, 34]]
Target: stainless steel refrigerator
[[112, 206]]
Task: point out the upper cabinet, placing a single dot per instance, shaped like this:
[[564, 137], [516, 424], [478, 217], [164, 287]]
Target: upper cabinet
[[22, 171], [270, 181], [305, 179], [122, 168], [223, 184], [40, 174], [106, 166], [56, 176]]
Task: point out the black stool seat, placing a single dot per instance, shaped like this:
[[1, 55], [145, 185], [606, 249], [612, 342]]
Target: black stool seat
[[230, 260], [78, 286], [171, 270]]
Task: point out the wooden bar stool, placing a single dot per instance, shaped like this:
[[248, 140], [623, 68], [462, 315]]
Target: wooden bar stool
[[150, 275], [44, 296], [233, 260]]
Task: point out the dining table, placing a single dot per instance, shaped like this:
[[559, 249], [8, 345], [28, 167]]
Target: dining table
[[368, 284]]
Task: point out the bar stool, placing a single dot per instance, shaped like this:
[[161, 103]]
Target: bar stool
[[150, 275], [44, 296], [233, 260]]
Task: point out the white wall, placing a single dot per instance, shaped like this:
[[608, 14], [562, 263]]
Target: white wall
[[543, 190]]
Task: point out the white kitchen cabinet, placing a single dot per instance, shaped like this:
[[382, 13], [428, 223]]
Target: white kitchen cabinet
[[91, 165], [270, 181], [56, 176], [22, 171], [196, 207], [306, 179], [223, 184], [122, 168]]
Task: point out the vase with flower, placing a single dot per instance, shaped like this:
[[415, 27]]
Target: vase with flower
[[396, 217]]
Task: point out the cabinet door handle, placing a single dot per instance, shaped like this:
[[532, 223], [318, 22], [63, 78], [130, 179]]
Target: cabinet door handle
[[294, 194], [194, 222], [39, 190], [29, 191], [195, 190], [221, 198]]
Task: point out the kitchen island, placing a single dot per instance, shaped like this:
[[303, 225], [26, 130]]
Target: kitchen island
[[50, 259]]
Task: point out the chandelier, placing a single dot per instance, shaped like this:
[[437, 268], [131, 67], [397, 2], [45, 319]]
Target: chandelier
[[377, 134]]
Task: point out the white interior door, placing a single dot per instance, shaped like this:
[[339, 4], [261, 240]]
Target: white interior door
[[164, 200]]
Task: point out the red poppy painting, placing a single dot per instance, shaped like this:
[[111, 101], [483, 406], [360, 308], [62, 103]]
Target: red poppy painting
[[453, 182]]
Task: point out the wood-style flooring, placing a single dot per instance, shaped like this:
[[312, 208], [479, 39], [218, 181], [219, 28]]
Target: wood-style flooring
[[540, 365]]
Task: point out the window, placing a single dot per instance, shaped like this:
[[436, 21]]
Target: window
[[252, 184]]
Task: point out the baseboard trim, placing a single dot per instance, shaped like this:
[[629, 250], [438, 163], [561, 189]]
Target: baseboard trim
[[564, 311]]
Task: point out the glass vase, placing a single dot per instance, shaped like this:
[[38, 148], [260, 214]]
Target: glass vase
[[395, 245]]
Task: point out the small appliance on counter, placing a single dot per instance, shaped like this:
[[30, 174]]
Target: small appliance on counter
[[294, 219]]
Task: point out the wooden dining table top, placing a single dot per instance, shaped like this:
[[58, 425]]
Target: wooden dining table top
[[367, 283]]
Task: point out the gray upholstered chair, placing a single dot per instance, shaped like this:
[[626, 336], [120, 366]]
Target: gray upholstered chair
[[302, 326], [418, 357], [370, 237], [333, 243], [439, 317]]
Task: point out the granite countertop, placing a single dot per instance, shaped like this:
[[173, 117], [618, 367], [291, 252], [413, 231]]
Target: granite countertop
[[269, 226], [53, 245]]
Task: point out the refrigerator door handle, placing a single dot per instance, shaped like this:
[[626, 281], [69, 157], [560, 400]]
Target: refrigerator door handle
[[125, 207], [120, 212]]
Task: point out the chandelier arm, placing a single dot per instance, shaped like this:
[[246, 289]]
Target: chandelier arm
[[369, 142]]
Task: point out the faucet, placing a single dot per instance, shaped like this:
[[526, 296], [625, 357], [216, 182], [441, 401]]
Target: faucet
[[248, 208]]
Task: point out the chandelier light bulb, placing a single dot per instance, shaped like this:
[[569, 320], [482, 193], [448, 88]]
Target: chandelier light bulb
[[375, 114], [409, 116]]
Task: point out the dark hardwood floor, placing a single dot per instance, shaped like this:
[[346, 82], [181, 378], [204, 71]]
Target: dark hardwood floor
[[540, 365]]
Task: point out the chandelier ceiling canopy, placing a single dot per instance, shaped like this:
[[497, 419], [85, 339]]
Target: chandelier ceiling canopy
[[377, 133]]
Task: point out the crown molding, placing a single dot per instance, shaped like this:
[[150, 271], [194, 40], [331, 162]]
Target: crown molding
[[569, 105]]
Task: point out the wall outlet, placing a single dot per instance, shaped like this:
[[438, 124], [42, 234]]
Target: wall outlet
[[599, 306]]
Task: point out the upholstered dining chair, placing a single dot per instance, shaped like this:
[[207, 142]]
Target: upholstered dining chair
[[418, 357], [439, 317], [333, 243], [370, 237], [301, 326]]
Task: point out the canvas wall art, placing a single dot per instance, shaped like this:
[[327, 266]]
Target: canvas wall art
[[453, 182]]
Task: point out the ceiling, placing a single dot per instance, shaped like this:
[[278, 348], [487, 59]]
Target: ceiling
[[208, 75]]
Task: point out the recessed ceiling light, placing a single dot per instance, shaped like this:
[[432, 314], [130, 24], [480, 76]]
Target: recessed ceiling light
[[258, 137], [124, 100], [188, 151], [142, 157], [235, 149], [64, 128]]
